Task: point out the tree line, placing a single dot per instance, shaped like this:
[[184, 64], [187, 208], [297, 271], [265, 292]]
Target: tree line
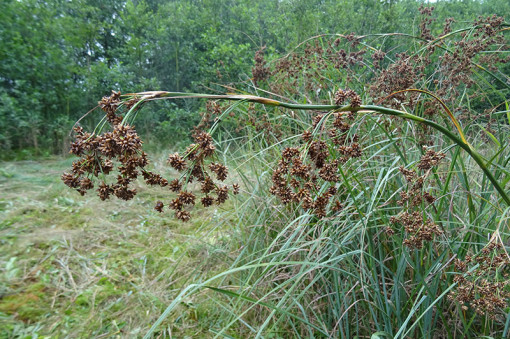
[[58, 58]]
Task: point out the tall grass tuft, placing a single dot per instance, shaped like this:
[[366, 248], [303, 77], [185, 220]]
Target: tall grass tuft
[[388, 219]]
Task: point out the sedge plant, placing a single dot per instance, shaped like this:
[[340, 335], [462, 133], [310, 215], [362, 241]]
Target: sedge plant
[[385, 220]]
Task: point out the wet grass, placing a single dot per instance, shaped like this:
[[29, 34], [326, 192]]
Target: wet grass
[[77, 267]]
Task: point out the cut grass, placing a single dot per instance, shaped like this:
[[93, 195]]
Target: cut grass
[[73, 266]]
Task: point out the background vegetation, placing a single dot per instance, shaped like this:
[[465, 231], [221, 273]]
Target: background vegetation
[[59, 57], [405, 235]]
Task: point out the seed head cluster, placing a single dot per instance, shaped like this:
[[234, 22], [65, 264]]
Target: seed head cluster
[[299, 71], [458, 66], [260, 71], [341, 96], [404, 73], [302, 173], [100, 154], [426, 21], [110, 104], [445, 67], [194, 164], [259, 121], [483, 288], [211, 114], [417, 227], [120, 151]]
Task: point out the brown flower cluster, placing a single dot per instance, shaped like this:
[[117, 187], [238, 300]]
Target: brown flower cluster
[[121, 149], [343, 59], [302, 173], [446, 66], [415, 196], [483, 288], [447, 28], [377, 57], [260, 121], [301, 71], [212, 112], [454, 67], [260, 71], [457, 67], [192, 165], [403, 74], [430, 159], [426, 21], [110, 104], [341, 96], [98, 155], [417, 228]]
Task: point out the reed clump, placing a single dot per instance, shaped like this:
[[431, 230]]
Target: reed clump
[[376, 190]]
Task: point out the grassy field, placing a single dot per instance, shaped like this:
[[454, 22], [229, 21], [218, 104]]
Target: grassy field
[[73, 266]]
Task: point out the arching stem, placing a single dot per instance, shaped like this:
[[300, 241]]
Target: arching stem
[[148, 96]]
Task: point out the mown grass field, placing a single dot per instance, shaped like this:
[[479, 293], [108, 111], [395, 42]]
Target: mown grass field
[[73, 266]]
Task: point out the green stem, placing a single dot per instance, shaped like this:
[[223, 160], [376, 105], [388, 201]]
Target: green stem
[[466, 146], [379, 109]]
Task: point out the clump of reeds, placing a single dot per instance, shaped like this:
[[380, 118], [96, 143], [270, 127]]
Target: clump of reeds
[[350, 252]]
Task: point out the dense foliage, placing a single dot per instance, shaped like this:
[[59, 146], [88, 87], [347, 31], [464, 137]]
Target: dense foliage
[[57, 56]]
